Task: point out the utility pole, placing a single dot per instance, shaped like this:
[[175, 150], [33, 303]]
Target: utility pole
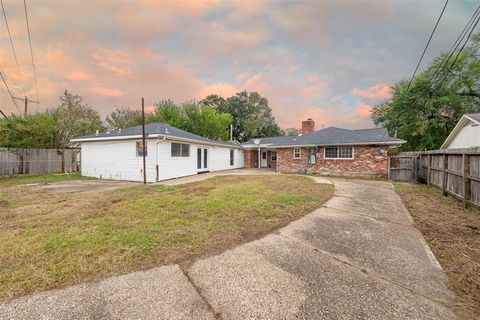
[[26, 102], [144, 146], [3, 114]]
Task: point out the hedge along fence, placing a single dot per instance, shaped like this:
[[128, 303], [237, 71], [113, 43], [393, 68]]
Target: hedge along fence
[[454, 171], [37, 161]]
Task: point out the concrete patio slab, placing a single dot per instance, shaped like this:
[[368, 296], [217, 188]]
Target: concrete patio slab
[[160, 293], [393, 252], [279, 278]]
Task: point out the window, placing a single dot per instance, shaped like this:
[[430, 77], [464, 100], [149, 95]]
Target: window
[[274, 155], [140, 149], [338, 152], [231, 156], [180, 150], [297, 153]]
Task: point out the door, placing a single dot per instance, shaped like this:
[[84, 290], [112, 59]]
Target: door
[[202, 159], [263, 163]]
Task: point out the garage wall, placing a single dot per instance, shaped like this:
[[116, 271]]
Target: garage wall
[[117, 160]]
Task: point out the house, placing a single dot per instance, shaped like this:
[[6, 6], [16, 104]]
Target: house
[[331, 151], [170, 153], [466, 133]]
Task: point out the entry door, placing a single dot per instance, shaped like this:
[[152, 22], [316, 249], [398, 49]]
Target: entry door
[[263, 163], [202, 159]]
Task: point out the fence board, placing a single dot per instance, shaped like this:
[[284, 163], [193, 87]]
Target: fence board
[[37, 161], [454, 171]]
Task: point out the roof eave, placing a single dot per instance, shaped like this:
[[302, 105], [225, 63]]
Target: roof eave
[[390, 143]]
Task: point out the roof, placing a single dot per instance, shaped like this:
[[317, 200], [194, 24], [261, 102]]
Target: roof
[[332, 136], [151, 129], [473, 116], [464, 120]]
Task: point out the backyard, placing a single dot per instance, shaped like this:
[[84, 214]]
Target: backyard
[[53, 239], [453, 233]]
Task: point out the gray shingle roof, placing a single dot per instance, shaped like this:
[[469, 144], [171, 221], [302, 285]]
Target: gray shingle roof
[[332, 136], [155, 128]]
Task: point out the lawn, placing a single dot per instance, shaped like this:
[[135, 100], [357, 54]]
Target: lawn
[[50, 240], [453, 233], [45, 178]]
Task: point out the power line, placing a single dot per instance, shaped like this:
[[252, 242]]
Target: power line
[[9, 92], [455, 45], [11, 41], [458, 54], [31, 51], [428, 42]]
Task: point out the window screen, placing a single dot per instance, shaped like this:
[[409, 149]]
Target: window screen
[[339, 152], [296, 153], [139, 149], [180, 150], [231, 157], [274, 155]]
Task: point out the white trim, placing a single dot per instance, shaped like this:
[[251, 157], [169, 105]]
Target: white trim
[[393, 143], [460, 124], [325, 153], [271, 155], [154, 136], [299, 155]]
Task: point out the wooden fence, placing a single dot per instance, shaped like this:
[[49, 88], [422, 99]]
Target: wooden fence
[[456, 171], [37, 161]]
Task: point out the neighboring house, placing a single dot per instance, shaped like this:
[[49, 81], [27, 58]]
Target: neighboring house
[[170, 153], [466, 133], [332, 151]]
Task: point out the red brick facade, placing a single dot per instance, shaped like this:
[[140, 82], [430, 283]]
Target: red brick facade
[[251, 159], [367, 161]]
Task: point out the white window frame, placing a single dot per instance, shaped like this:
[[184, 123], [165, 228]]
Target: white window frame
[[271, 155], [232, 157], [138, 147], [325, 153], [299, 153], [181, 150]]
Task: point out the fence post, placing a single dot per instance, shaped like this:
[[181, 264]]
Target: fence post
[[429, 164], [466, 179], [445, 174]]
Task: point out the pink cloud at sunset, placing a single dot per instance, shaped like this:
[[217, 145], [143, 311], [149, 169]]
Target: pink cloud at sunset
[[376, 92], [364, 110], [77, 75], [107, 92]]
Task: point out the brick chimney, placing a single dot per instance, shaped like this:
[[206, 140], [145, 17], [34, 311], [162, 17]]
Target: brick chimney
[[308, 126]]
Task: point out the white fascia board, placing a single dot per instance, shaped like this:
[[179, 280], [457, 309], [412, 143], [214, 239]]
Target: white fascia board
[[255, 146], [460, 124], [389, 143], [152, 136]]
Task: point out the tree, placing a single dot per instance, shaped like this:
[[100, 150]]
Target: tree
[[252, 117], [193, 117], [74, 119], [292, 131], [425, 114], [123, 118]]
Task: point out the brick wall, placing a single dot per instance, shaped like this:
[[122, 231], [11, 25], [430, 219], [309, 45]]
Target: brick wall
[[251, 158], [367, 162]]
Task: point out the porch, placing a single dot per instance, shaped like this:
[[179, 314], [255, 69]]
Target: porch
[[262, 158]]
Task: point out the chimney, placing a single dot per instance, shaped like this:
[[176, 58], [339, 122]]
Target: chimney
[[308, 126]]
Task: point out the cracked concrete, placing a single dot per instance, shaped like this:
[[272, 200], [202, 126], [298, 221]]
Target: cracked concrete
[[358, 257]]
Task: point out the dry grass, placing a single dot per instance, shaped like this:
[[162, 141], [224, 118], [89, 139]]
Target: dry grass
[[51, 240], [453, 233]]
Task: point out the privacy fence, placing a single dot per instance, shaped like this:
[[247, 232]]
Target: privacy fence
[[37, 161], [455, 171]]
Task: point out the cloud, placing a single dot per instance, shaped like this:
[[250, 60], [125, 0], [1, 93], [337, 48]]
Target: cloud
[[363, 109], [376, 92], [222, 89], [106, 92], [77, 75]]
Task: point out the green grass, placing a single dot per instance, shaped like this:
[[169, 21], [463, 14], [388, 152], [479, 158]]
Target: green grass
[[45, 178], [51, 240]]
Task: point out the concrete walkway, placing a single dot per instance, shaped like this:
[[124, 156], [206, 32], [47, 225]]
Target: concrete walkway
[[358, 257]]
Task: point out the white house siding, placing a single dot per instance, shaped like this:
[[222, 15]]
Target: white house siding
[[468, 136], [117, 160]]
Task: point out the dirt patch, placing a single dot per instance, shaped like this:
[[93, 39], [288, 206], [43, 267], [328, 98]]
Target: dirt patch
[[453, 233]]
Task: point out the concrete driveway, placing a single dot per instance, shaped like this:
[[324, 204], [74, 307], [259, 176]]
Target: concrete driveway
[[358, 257]]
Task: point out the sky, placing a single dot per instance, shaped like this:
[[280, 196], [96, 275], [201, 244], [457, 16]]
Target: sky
[[326, 60]]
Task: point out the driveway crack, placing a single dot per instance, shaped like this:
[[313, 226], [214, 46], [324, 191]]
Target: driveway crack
[[216, 314], [363, 270]]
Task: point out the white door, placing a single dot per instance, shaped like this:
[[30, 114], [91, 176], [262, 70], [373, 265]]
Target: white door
[[263, 163], [202, 159]]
